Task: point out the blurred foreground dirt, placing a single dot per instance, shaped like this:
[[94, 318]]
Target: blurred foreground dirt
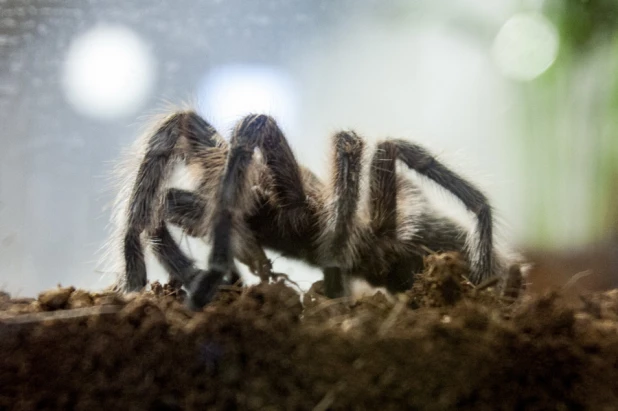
[[444, 345]]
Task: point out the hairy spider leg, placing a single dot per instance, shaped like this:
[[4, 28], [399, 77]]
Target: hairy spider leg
[[383, 190], [339, 217], [431, 232], [145, 204], [233, 191], [479, 243]]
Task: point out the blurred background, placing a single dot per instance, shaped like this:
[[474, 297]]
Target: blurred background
[[518, 95]]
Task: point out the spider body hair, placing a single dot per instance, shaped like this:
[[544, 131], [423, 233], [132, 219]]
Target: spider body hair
[[368, 221]]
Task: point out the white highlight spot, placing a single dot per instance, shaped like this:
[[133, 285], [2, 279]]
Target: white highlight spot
[[360, 288], [526, 46], [228, 93], [108, 72]]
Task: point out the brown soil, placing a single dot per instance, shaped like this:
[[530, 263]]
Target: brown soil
[[444, 345]]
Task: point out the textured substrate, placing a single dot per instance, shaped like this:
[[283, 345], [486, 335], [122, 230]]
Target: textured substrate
[[444, 345]]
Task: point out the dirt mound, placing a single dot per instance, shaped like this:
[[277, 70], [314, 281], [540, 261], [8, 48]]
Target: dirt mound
[[444, 345]]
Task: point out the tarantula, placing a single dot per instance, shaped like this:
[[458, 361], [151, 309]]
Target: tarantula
[[252, 195]]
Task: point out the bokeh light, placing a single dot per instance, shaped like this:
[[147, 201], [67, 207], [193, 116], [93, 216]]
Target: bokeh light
[[228, 93], [108, 72], [526, 46]]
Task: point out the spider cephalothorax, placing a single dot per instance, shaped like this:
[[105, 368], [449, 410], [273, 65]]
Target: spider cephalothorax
[[252, 195]]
